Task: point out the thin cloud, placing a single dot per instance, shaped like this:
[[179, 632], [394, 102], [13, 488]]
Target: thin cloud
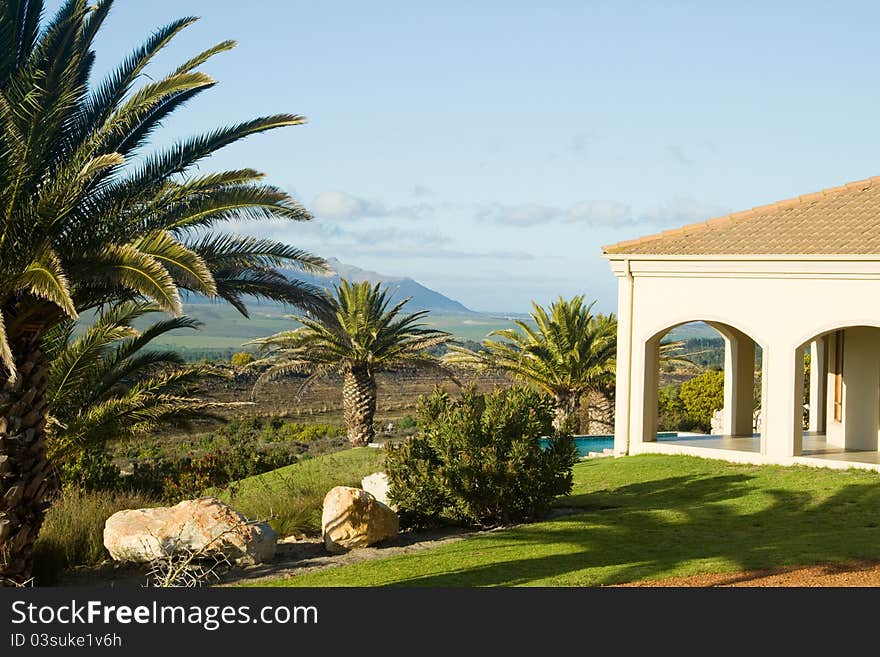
[[343, 206], [581, 142], [529, 214], [337, 205], [600, 213], [681, 211], [593, 213], [678, 154]]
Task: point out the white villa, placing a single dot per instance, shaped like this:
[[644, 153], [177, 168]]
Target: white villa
[[797, 277]]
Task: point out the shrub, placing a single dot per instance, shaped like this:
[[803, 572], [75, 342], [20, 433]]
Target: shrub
[[306, 433], [673, 415], [478, 461], [702, 396], [241, 358], [405, 423], [73, 531], [90, 470], [242, 448], [190, 477]]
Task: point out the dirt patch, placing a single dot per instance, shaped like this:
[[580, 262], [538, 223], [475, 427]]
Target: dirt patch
[[856, 573]]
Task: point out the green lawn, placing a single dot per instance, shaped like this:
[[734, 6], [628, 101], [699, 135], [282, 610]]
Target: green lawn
[[291, 497], [649, 517]]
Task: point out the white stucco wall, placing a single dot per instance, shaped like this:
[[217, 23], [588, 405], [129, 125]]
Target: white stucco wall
[[781, 303]]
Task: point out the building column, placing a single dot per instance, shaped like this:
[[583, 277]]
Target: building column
[[861, 384], [650, 390], [643, 393], [739, 383], [782, 424], [818, 379], [833, 404], [622, 391]]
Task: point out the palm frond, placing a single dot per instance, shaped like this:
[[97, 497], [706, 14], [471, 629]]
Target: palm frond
[[187, 267], [131, 269], [107, 383], [7, 360], [45, 278]]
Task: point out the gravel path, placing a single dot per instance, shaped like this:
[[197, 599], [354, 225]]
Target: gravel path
[[295, 557]]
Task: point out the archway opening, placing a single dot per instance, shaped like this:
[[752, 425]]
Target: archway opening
[[704, 383], [840, 392]]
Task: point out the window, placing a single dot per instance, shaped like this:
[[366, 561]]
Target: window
[[838, 376]]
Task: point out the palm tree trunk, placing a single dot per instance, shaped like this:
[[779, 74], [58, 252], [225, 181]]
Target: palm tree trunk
[[568, 406], [26, 479], [359, 406]]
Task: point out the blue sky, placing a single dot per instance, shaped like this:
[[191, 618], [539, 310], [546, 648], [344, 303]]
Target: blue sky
[[488, 149]]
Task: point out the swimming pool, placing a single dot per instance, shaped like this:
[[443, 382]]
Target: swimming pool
[[587, 444]]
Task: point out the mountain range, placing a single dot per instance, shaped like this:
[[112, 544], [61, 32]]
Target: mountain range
[[421, 297]]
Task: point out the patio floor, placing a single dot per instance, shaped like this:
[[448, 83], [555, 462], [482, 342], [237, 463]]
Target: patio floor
[[816, 451]]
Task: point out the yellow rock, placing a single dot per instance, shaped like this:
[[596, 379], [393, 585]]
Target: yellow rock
[[353, 518]]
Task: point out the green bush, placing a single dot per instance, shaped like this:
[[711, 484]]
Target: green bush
[[673, 415], [478, 461], [73, 530], [405, 423], [241, 358], [702, 396], [90, 470], [242, 448], [305, 433], [175, 480]]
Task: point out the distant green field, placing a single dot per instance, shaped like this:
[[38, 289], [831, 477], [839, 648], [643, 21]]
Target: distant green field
[[226, 331], [469, 327], [224, 328]]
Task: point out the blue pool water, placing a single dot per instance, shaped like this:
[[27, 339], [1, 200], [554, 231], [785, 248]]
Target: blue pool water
[[587, 444]]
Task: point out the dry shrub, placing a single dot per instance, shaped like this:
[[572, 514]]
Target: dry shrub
[[73, 531]]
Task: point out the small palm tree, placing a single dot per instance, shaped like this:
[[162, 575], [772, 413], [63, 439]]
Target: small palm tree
[[358, 338], [107, 384], [568, 352], [91, 214]]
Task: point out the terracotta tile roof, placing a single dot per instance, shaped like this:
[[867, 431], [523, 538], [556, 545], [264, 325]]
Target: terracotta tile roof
[[841, 220]]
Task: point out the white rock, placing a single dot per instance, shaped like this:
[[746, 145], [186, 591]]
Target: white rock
[[143, 535], [717, 422], [377, 485]]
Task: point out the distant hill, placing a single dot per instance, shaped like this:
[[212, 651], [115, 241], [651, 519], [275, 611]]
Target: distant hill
[[422, 297]]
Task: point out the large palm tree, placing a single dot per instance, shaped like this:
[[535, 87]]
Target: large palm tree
[[89, 216], [108, 383], [565, 351], [361, 336]]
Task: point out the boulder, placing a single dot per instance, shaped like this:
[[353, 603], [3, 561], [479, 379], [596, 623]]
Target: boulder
[[353, 518], [144, 535], [376, 485]]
